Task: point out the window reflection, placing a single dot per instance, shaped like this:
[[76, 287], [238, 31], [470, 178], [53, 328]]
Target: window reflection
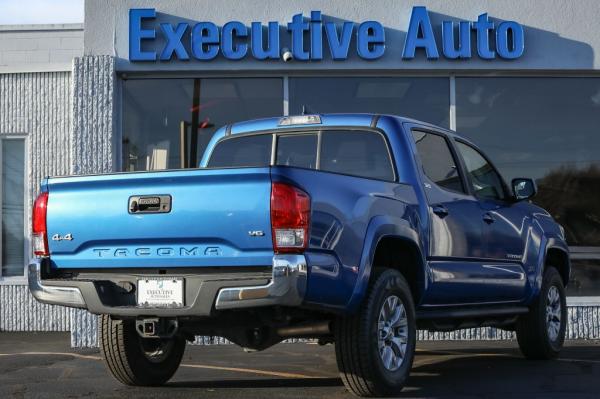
[[167, 123], [585, 275], [547, 129], [426, 99]]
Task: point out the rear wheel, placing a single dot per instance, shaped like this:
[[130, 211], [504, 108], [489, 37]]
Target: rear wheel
[[134, 360], [375, 347], [541, 332]]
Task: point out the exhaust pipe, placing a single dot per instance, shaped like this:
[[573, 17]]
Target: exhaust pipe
[[305, 330]]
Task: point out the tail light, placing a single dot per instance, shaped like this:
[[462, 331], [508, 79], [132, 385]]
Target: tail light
[[290, 218], [39, 230]]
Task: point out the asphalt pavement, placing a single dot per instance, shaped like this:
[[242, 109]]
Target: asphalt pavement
[[42, 365]]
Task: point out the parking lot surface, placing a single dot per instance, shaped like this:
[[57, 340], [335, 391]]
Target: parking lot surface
[[43, 365]]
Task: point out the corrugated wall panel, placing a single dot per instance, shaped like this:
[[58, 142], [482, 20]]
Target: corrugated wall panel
[[93, 110], [37, 105]]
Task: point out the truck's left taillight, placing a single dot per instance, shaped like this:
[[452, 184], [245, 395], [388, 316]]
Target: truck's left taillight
[[290, 218], [38, 228]]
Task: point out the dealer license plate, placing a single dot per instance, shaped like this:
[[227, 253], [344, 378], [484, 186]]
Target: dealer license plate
[[160, 292]]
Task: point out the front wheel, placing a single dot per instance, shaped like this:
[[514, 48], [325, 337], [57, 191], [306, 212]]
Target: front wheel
[[375, 347], [138, 361], [541, 332]]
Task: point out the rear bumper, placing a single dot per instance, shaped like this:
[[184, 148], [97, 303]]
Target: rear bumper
[[52, 294], [286, 286]]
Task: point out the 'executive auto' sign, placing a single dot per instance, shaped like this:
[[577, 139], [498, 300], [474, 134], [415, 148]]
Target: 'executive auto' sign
[[234, 40]]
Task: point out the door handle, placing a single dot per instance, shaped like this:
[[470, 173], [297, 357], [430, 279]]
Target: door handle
[[488, 218], [440, 210]]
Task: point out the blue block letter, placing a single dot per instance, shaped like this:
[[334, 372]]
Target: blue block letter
[[464, 40], [420, 34], [258, 50], [137, 34], [228, 48], [518, 40], [174, 44], [483, 25], [339, 46], [316, 35], [370, 40], [205, 41], [297, 27]]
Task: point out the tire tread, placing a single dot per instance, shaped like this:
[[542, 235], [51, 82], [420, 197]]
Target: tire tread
[[352, 343]]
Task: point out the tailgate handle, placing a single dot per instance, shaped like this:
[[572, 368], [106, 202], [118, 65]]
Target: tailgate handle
[[149, 204]]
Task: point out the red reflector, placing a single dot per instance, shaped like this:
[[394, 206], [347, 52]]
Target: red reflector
[[40, 234], [290, 218]]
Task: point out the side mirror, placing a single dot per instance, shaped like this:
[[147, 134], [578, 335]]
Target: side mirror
[[523, 188]]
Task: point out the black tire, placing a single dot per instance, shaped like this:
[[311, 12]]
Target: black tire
[[533, 331], [138, 361], [361, 367]]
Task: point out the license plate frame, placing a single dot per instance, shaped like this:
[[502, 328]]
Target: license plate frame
[[160, 292]]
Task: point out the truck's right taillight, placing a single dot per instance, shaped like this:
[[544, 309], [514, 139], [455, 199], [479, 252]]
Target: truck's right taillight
[[290, 218], [40, 233]]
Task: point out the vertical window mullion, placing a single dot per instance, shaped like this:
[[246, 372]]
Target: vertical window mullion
[[452, 109], [286, 95]]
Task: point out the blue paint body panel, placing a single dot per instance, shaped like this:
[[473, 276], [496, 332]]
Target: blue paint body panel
[[208, 224], [463, 261]]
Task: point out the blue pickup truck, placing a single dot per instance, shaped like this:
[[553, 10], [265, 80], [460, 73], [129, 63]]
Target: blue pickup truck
[[353, 229]]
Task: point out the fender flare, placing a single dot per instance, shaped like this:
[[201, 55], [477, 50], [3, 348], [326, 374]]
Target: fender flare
[[381, 227], [548, 242]]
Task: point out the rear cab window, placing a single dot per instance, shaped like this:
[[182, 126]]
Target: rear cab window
[[241, 152], [360, 153]]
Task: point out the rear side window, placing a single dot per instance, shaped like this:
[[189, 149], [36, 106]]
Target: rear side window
[[357, 153], [241, 152], [438, 163], [297, 150]]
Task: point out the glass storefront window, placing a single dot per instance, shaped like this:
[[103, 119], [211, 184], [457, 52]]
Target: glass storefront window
[[167, 123], [12, 168], [585, 275], [547, 129], [423, 98]]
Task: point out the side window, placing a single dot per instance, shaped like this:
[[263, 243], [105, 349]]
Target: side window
[[297, 150], [242, 152], [438, 163], [486, 183], [358, 153], [13, 186]]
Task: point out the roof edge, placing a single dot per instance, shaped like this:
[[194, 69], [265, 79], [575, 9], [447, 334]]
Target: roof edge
[[40, 27]]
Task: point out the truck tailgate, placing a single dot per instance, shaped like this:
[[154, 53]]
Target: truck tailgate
[[216, 217]]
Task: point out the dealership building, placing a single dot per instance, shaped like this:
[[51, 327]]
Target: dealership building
[[143, 85]]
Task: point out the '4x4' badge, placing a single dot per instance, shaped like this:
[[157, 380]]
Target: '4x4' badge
[[58, 237]]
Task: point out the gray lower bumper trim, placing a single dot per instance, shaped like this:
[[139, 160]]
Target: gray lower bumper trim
[[56, 295], [287, 287]]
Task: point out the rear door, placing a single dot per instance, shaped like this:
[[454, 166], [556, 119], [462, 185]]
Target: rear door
[[456, 230]]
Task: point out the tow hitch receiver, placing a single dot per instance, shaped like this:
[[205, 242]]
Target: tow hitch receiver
[[156, 327]]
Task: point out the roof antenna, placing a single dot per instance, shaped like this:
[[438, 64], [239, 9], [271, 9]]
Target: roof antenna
[[306, 110]]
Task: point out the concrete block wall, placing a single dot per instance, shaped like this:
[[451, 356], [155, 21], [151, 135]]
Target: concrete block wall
[[39, 47]]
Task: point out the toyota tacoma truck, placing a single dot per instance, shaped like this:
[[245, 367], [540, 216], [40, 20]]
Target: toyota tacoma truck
[[353, 229]]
